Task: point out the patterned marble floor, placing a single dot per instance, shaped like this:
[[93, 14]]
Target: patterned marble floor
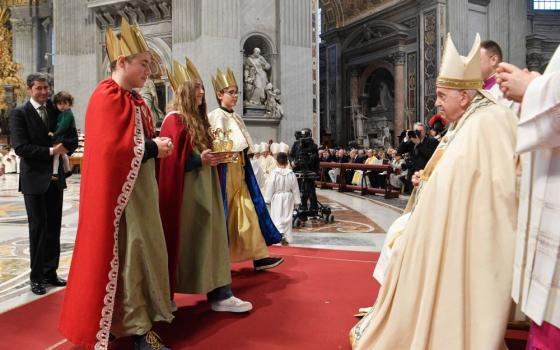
[[360, 224]]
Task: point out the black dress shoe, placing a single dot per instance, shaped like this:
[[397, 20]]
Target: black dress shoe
[[267, 263], [38, 288], [56, 281]]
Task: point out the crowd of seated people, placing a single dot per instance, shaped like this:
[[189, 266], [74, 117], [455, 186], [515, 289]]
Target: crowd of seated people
[[416, 146]]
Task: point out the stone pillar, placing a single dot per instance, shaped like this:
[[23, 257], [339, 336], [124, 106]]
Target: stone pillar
[[398, 61], [75, 62], [207, 32], [431, 35], [354, 103], [295, 66], [458, 23], [354, 86], [22, 41]]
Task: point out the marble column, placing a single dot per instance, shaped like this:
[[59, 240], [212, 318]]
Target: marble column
[[75, 61], [398, 61], [354, 96], [22, 43], [295, 66], [458, 22]]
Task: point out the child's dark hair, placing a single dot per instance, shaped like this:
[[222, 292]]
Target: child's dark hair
[[282, 158], [63, 96]]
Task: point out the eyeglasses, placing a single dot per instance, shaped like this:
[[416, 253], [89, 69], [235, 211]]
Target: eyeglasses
[[232, 93]]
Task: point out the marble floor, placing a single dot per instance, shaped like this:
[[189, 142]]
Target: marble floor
[[360, 223]]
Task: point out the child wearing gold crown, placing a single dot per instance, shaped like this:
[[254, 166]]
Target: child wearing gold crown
[[191, 204], [250, 227], [118, 283]]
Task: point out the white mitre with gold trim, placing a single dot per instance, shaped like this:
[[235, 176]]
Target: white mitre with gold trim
[[274, 148], [460, 72], [283, 147]]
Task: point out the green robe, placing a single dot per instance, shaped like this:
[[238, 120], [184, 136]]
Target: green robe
[[204, 263], [143, 282]]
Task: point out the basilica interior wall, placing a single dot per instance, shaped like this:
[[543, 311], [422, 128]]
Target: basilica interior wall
[[351, 33]]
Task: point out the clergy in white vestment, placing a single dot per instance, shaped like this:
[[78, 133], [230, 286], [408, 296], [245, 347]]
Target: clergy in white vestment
[[256, 164], [274, 149], [448, 284], [268, 163], [536, 278], [282, 192]]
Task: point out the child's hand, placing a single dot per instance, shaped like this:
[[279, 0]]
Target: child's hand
[[51, 134]]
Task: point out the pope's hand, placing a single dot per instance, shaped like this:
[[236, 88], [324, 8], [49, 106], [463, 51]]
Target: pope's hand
[[416, 177], [164, 145], [212, 159]]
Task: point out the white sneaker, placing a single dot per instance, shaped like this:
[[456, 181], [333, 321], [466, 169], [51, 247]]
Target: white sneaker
[[232, 304]]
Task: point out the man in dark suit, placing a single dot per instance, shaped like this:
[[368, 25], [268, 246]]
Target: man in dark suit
[[29, 127]]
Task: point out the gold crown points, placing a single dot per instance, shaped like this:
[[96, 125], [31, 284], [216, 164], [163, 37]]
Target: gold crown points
[[223, 80], [129, 42], [451, 83], [112, 45], [4, 15], [180, 74]]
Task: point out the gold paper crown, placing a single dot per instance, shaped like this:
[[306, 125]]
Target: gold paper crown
[[223, 80], [130, 41], [459, 72], [4, 15], [181, 74]]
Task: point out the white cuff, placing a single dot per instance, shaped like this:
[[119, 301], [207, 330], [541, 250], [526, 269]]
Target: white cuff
[[51, 151]]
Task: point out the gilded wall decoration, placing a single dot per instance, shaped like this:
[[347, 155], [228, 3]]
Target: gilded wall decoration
[[430, 62]]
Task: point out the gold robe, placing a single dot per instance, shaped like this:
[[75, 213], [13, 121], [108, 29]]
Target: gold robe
[[449, 281], [246, 241]]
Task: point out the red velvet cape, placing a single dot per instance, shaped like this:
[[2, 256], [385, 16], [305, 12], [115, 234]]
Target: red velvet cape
[[171, 179], [113, 153]]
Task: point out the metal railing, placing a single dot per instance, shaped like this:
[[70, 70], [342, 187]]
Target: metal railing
[[387, 190]]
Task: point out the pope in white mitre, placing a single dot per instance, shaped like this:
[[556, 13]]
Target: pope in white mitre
[[448, 281]]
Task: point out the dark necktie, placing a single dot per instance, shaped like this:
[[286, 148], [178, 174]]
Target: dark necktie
[[44, 116]]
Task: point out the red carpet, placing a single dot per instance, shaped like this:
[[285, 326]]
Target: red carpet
[[305, 303]]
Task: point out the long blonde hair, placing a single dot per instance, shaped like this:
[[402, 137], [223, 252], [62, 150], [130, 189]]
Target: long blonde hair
[[194, 117]]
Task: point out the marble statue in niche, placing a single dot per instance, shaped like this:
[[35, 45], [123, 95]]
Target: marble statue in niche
[[385, 99], [256, 78], [273, 105]]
